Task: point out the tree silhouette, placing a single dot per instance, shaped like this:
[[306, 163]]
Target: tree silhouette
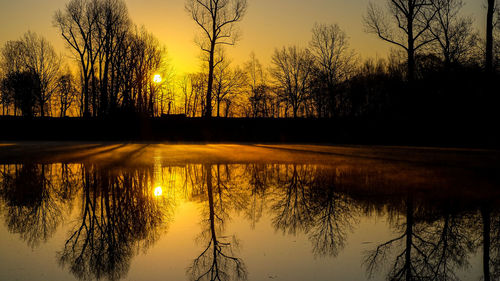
[[454, 34], [217, 261], [35, 199], [490, 10], [432, 244], [41, 60], [308, 200], [292, 70], [76, 24], [261, 99], [119, 215], [66, 93], [30, 56], [24, 89], [335, 63], [408, 30], [489, 230], [228, 83], [217, 19], [117, 60], [411, 262]]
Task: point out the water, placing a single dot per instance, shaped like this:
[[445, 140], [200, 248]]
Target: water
[[245, 212]]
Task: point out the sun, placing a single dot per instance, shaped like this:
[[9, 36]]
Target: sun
[[158, 191], [157, 78]]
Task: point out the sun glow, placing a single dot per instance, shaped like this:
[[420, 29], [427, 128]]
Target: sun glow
[[158, 191], [157, 78]]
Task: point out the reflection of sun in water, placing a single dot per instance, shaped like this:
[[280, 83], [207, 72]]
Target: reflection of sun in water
[[158, 191]]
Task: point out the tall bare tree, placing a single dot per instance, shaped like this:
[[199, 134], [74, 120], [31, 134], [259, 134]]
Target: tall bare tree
[[409, 28], [66, 93], [35, 55], [217, 19], [228, 82], [77, 23], [259, 95], [193, 89], [335, 61], [454, 34], [41, 59], [491, 5], [113, 25], [10, 62], [292, 70]]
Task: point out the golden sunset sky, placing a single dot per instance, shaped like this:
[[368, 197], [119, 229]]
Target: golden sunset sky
[[268, 24]]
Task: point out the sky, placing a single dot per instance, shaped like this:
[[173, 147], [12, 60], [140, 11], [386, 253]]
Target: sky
[[268, 24]]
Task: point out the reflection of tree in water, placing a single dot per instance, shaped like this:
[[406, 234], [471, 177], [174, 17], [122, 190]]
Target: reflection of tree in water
[[259, 178], [35, 196], [307, 199], [292, 200], [120, 215], [490, 240], [430, 245], [217, 261], [453, 244], [333, 215]]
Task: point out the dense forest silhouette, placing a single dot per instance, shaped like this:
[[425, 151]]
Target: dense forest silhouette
[[441, 73]]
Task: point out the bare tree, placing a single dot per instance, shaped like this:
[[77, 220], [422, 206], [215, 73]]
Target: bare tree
[[454, 34], [217, 261], [113, 25], [335, 61], [76, 25], [11, 59], [33, 54], [409, 28], [491, 5], [149, 60], [187, 94], [10, 62], [330, 47], [292, 70], [227, 83], [193, 86], [41, 59], [66, 94], [23, 88], [260, 98], [217, 19]]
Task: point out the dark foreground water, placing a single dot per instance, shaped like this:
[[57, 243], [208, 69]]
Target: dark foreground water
[[238, 212]]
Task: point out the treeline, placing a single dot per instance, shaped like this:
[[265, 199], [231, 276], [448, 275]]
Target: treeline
[[115, 61], [441, 68]]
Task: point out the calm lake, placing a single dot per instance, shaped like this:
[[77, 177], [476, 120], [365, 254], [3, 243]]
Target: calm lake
[[107, 211]]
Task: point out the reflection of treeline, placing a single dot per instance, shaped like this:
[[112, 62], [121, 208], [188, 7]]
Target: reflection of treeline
[[119, 214], [440, 218], [439, 71], [438, 222], [36, 197]]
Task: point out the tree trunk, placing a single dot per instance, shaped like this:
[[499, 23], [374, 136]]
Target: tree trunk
[[218, 107], [411, 48], [208, 105], [86, 112], [489, 36]]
